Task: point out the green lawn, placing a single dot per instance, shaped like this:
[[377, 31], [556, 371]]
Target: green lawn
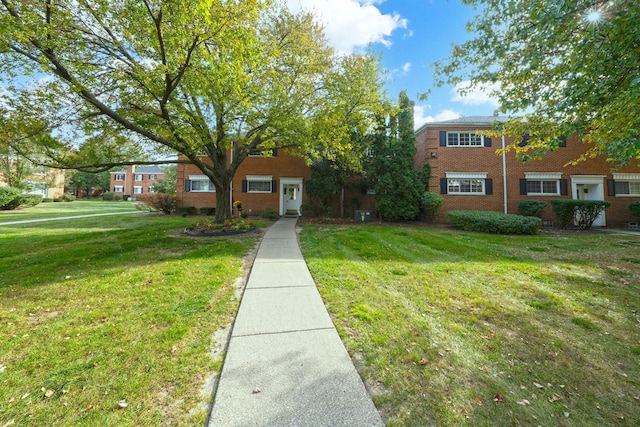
[[110, 320], [62, 209], [459, 328]]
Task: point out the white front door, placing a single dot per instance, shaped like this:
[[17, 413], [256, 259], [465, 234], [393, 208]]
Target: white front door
[[290, 196], [589, 188]]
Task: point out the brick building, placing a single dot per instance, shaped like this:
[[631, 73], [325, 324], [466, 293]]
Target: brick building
[[135, 180], [469, 174]]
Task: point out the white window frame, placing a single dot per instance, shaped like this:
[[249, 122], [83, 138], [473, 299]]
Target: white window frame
[[478, 177], [151, 189], [254, 179], [474, 140], [118, 177], [633, 184], [211, 188], [152, 176], [137, 189], [138, 177], [118, 189], [542, 178]]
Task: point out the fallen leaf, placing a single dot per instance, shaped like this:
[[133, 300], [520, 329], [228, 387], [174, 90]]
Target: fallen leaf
[[554, 398], [540, 386], [24, 396], [464, 411], [511, 362], [423, 361], [478, 401], [498, 398], [256, 390], [123, 403], [48, 393], [620, 416], [174, 349], [524, 402], [489, 347], [90, 407]]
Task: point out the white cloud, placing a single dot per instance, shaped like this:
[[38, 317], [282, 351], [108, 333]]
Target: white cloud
[[479, 95], [420, 119], [406, 67], [350, 24]]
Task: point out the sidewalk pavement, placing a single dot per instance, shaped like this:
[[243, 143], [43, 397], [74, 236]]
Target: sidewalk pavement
[[27, 221], [285, 364]]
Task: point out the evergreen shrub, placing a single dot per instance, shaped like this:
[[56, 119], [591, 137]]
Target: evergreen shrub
[[494, 222], [531, 208]]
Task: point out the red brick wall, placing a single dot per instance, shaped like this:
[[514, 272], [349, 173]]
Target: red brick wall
[[485, 159], [129, 182]]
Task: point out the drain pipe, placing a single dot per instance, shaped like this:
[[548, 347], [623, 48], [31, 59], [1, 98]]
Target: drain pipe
[[504, 175]]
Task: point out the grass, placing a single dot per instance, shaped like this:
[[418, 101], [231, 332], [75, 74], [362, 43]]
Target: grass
[[62, 209], [459, 328], [105, 312]]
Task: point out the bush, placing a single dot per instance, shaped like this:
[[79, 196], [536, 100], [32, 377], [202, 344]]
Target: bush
[[269, 213], [126, 197], [207, 211], [58, 199], [634, 208], [432, 203], [495, 222], [47, 200], [31, 199], [159, 201], [531, 208], [584, 212], [68, 197], [109, 196], [10, 198], [186, 210]]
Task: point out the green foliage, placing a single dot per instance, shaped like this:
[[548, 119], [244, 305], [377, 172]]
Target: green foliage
[[207, 211], [162, 202], [583, 212], [531, 208], [108, 196], [89, 182], [425, 174], [186, 210], [167, 184], [324, 182], [494, 222], [47, 200], [399, 190], [68, 197], [432, 203], [31, 199], [10, 198], [193, 78], [634, 208], [269, 213], [573, 64]]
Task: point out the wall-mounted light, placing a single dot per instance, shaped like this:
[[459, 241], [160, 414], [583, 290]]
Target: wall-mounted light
[[433, 154]]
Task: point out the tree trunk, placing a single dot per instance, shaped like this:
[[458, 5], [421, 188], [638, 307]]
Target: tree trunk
[[223, 202]]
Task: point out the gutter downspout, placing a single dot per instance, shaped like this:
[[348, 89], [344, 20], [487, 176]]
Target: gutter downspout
[[504, 176]]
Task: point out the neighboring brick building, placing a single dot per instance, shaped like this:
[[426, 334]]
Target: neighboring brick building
[[135, 180], [469, 174], [275, 182]]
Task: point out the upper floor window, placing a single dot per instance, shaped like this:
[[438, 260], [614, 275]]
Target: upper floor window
[[152, 176], [118, 177], [138, 177], [151, 189], [463, 139], [626, 184]]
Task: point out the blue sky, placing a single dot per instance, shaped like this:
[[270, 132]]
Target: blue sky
[[411, 35]]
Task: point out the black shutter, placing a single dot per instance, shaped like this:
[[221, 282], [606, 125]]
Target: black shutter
[[443, 185], [274, 152], [525, 140], [563, 141], [488, 186], [523, 187], [274, 186], [611, 187], [244, 185], [187, 185], [564, 187], [487, 142], [443, 140]]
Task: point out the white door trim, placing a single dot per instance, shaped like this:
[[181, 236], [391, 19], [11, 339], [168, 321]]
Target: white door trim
[[290, 181]]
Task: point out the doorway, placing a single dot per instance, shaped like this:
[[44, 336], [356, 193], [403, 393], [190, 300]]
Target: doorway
[[589, 187], [290, 196]]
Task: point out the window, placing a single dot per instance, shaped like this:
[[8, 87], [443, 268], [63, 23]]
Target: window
[[258, 184], [118, 177], [118, 189], [473, 183], [199, 183], [542, 184], [138, 177], [151, 189], [626, 184], [152, 176], [464, 139], [370, 152], [137, 189]]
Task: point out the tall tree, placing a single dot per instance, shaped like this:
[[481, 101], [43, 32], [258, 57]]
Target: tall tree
[[399, 190], [195, 77], [572, 67]]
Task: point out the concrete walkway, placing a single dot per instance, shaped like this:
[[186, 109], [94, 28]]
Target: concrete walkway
[[285, 364], [27, 221]]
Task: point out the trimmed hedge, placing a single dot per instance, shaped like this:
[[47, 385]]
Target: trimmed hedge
[[10, 198], [109, 196], [584, 212], [634, 208], [31, 199], [495, 222], [531, 208]]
